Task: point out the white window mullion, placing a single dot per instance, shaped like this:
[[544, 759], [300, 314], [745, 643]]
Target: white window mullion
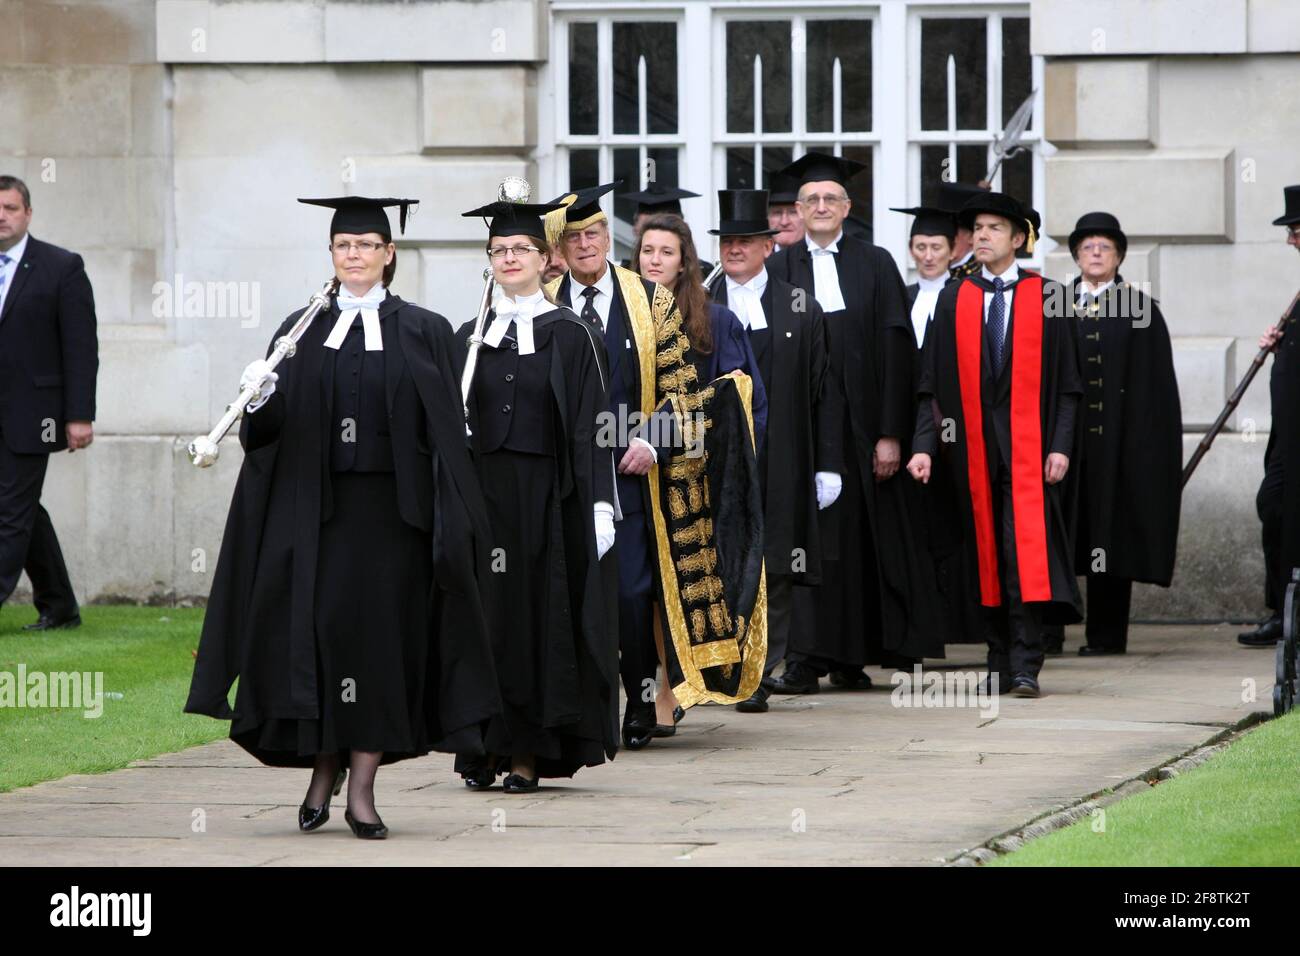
[[994, 34], [605, 101], [893, 39], [799, 81]]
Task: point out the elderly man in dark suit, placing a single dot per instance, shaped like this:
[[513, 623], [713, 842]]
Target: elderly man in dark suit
[[48, 362]]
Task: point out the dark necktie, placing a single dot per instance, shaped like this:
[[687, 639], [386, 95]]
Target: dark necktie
[[998, 324], [589, 308]]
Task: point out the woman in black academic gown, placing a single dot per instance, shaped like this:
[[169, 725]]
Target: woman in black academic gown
[[537, 390], [345, 597], [719, 345]]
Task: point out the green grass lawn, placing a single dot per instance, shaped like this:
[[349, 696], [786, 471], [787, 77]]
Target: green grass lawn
[[146, 656], [1240, 808]]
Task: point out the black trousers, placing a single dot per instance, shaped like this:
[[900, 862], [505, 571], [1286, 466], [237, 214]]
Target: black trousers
[[1013, 629], [1109, 598], [27, 538], [1270, 507], [637, 657], [780, 610]]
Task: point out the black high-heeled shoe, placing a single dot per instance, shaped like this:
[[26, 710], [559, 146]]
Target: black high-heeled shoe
[[518, 783], [313, 818], [366, 831]]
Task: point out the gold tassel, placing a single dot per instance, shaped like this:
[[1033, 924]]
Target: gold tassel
[[556, 219], [1030, 237]]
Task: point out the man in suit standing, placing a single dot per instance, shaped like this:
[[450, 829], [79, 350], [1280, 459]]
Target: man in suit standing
[[802, 455], [48, 362]]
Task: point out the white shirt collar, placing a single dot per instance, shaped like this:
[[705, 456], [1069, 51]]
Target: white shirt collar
[[605, 284], [1011, 275], [746, 300], [756, 285], [932, 285], [16, 253], [814, 248], [1085, 287]]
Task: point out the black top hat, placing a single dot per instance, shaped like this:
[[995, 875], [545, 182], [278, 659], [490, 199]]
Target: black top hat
[[357, 215], [656, 198], [1291, 194], [1098, 224], [782, 190], [743, 212], [1000, 204]]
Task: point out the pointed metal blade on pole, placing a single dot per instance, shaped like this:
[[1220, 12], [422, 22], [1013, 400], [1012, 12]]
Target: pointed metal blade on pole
[[1008, 144]]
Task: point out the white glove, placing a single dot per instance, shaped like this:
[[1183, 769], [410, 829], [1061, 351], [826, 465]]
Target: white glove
[[604, 527], [259, 375], [829, 485]]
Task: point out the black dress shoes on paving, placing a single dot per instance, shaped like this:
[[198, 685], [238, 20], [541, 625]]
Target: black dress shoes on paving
[[1025, 686], [480, 776], [366, 831], [1088, 650], [518, 783], [45, 623], [638, 726], [1266, 635], [313, 818], [755, 703], [798, 678], [851, 678]]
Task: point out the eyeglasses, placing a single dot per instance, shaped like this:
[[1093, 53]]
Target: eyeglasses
[[499, 252], [818, 200], [1097, 247], [364, 245]]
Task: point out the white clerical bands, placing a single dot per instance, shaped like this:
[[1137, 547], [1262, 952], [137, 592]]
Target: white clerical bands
[[368, 308]]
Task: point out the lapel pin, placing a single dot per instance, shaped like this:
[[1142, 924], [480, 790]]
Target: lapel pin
[[789, 335]]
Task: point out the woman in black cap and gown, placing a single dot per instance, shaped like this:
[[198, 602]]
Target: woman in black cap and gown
[[345, 598], [538, 386]]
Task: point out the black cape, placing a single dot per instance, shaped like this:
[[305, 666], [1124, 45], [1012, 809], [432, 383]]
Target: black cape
[[286, 461], [582, 633], [1133, 491], [939, 394], [872, 347]]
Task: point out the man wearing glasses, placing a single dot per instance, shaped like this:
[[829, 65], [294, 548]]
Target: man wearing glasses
[[876, 603], [1276, 502]]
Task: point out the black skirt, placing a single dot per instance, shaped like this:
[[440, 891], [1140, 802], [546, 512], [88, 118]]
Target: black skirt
[[535, 660], [374, 582]]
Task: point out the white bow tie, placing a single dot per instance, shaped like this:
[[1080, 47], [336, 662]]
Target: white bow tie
[[748, 304], [521, 313], [367, 306]]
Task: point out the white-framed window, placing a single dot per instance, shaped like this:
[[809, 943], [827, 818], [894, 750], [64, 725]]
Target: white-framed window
[[715, 94]]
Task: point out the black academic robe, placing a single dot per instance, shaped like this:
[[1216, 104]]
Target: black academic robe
[[580, 636], [283, 491], [805, 416], [940, 417], [1132, 428], [1284, 441], [872, 348]]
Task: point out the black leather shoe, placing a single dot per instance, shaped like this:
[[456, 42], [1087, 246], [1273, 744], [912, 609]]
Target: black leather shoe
[[44, 623], [638, 726], [1266, 635], [518, 783], [755, 703], [366, 831], [798, 678], [851, 678], [1025, 686], [480, 776], [313, 818], [1087, 650]]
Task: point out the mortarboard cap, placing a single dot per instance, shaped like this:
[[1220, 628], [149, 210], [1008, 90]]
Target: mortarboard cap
[[656, 198], [822, 167], [357, 215], [581, 208], [515, 218]]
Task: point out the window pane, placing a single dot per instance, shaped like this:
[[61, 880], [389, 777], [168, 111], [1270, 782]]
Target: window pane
[[1017, 66], [972, 166], [1018, 177], [582, 79], [775, 159], [740, 165], [657, 42], [769, 39], [850, 41], [965, 40], [662, 164], [584, 168], [860, 189]]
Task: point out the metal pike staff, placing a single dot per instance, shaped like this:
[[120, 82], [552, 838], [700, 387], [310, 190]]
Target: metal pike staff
[[1008, 145], [1235, 397]]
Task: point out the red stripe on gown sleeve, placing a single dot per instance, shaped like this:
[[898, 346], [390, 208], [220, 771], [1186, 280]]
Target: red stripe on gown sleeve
[[970, 340], [1027, 440]]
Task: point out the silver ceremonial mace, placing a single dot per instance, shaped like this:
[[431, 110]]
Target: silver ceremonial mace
[[204, 450]]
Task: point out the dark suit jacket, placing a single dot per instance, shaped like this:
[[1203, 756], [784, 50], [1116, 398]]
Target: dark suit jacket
[[49, 353]]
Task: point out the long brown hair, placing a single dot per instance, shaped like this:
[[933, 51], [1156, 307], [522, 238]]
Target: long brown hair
[[688, 290]]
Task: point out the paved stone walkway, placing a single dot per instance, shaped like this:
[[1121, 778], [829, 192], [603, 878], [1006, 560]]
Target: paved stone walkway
[[835, 777]]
